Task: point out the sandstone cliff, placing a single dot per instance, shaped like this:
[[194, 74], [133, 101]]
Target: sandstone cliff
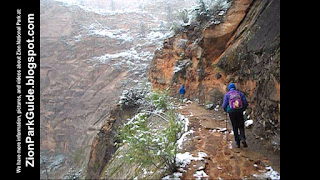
[[102, 148], [89, 55], [244, 48]]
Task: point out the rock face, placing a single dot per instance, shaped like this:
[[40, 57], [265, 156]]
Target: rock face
[[201, 48], [78, 86], [244, 48], [90, 52], [102, 148]]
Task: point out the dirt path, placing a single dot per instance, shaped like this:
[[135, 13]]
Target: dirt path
[[223, 160]]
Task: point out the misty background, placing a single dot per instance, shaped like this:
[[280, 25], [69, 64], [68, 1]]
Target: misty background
[[90, 51]]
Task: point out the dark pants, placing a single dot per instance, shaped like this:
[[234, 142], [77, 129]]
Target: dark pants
[[237, 123]]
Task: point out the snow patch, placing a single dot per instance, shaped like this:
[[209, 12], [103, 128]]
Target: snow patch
[[156, 36], [184, 119], [269, 173], [248, 123], [112, 34], [217, 108], [176, 176], [102, 11], [200, 174], [129, 55], [183, 159], [181, 140]]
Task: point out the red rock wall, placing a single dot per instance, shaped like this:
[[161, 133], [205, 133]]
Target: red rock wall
[[203, 52], [244, 49]]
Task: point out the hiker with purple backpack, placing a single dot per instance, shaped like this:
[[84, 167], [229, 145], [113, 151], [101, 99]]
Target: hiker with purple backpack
[[234, 104]]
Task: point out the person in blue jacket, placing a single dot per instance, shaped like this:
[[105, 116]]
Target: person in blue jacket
[[182, 92], [234, 104]]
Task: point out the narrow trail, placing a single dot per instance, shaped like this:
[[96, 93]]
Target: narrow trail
[[223, 160]]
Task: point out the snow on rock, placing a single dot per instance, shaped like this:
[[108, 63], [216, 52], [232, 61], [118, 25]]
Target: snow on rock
[[112, 34], [102, 10], [248, 123], [176, 176], [184, 119], [200, 174], [222, 130], [209, 106], [181, 65], [181, 140], [183, 159], [177, 68], [202, 155], [269, 173], [129, 54], [156, 36]]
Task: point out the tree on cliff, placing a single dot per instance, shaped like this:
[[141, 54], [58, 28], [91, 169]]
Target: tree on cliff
[[151, 135], [204, 12]]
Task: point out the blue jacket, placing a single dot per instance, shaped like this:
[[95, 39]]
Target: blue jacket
[[182, 90], [226, 106]]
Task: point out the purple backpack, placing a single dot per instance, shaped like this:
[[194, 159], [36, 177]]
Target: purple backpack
[[235, 101]]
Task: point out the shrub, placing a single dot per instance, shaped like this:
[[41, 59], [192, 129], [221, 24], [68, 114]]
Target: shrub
[[205, 11], [212, 10], [159, 100], [176, 28], [151, 135], [135, 96], [184, 15], [148, 145]]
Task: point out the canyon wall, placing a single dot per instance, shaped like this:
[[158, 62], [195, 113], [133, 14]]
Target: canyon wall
[[90, 52], [244, 48], [102, 148]]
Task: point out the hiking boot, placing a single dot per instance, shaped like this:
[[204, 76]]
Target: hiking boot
[[244, 144]]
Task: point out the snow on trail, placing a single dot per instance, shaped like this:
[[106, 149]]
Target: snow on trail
[[204, 152], [183, 159]]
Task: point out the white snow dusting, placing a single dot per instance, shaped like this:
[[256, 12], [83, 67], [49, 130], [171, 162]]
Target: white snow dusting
[[200, 174], [248, 123], [269, 173], [183, 159], [181, 140]]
